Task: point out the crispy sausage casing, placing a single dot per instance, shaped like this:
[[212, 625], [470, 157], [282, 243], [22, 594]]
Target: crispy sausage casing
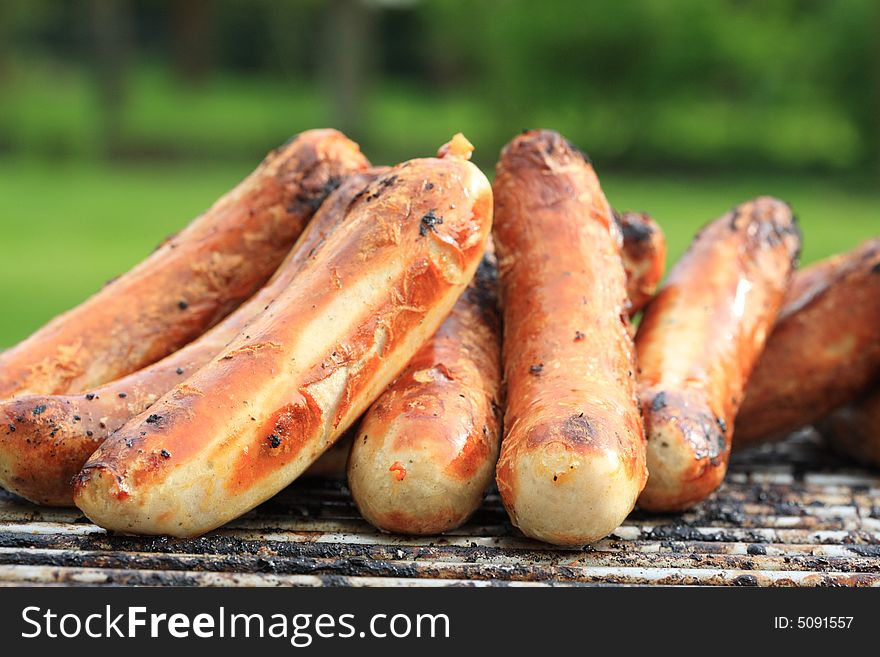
[[425, 452], [699, 340], [823, 351], [644, 257], [854, 428], [249, 422], [573, 456], [46, 439], [191, 281]]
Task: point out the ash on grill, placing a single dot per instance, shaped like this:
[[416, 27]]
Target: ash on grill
[[790, 514]]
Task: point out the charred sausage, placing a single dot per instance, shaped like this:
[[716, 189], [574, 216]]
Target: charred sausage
[[699, 340], [572, 459], [254, 418], [48, 438], [644, 257], [191, 281], [425, 452], [823, 351]]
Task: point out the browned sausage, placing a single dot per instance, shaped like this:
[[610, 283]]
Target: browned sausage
[[644, 257], [254, 418], [854, 428], [699, 340], [824, 349], [425, 452], [48, 438], [428, 446], [191, 281], [573, 456]]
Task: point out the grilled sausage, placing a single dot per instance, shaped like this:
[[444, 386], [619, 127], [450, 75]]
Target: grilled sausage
[[644, 257], [425, 452], [48, 438], [854, 428], [699, 340], [249, 422], [823, 351], [428, 445], [573, 456], [191, 281]]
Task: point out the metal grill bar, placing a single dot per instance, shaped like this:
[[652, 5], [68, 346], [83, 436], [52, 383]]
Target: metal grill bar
[[789, 515]]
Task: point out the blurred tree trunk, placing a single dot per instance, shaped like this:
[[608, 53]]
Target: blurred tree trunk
[[347, 62], [191, 22], [112, 35]]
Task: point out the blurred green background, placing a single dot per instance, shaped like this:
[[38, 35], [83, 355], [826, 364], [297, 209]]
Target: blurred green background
[[120, 120]]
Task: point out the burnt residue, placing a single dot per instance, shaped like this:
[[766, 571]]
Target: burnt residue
[[634, 232], [537, 369], [579, 429], [429, 222], [482, 293], [313, 197], [871, 551], [377, 188], [183, 305], [725, 540], [735, 215], [579, 336], [274, 441], [153, 419], [659, 402], [39, 409]]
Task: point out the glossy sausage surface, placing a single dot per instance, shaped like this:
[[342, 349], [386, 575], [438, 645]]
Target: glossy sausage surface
[[823, 351], [699, 340], [253, 419], [48, 438], [190, 281], [573, 455], [425, 452]]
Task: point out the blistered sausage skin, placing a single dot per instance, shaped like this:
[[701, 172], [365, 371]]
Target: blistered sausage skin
[[699, 340], [254, 418], [190, 281], [644, 257], [823, 351], [46, 439], [854, 428], [425, 452], [572, 459]]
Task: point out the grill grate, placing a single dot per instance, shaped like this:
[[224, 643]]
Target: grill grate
[[789, 515]]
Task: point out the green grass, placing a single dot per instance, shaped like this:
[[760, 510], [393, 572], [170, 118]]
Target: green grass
[[65, 229]]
